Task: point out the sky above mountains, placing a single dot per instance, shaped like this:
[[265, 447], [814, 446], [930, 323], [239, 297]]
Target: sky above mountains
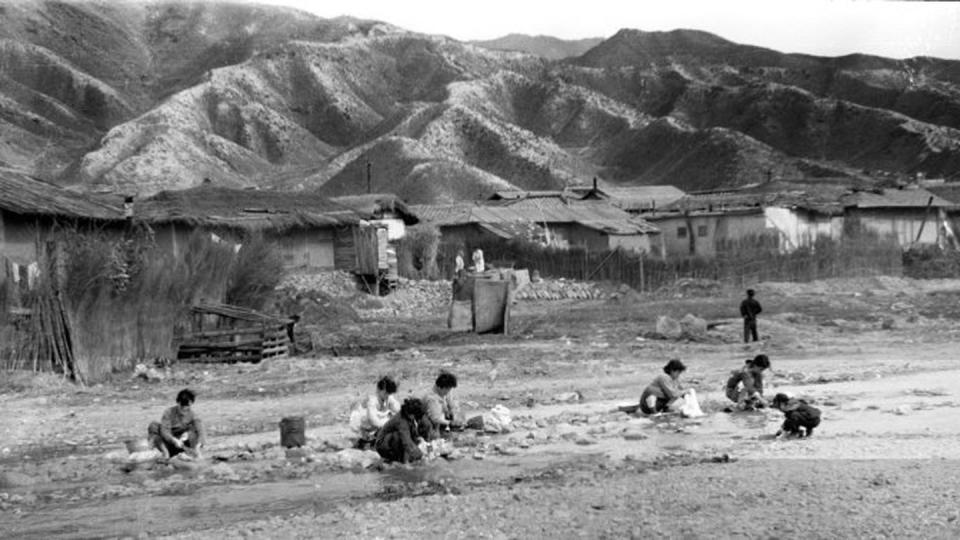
[[890, 29]]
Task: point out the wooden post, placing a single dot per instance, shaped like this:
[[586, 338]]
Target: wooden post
[[641, 274]]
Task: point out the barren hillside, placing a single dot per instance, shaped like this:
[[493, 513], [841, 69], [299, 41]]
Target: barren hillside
[[137, 98], [548, 47]]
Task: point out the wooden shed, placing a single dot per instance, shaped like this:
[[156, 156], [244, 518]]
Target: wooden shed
[[221, 333]]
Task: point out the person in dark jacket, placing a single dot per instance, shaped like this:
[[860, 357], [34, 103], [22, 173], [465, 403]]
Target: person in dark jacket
[[801, 417], [397, 440], [749, 309]]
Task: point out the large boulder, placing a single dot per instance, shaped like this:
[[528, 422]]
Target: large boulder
[[693, 326], [668, 327], [352, 458]]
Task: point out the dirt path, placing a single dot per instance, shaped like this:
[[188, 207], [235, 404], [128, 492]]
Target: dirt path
[[576, 464]]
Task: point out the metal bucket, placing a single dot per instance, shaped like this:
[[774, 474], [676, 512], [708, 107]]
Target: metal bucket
[[293, 432]]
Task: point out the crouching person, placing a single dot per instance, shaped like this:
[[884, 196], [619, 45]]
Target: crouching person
[[372, 415], [800, 416], [442, 410], [745, 385], [179, 430], [398, 439], [664, 394]]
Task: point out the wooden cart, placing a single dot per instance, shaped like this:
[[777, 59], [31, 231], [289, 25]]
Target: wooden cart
[[221, 333]]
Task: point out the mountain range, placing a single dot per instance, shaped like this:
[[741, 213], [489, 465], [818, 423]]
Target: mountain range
[[136, 98]]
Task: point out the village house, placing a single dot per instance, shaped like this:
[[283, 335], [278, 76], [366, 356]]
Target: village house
[[313, 232], [786, 216], [632, 199], [30, 209], [549, 218], [912, 214]]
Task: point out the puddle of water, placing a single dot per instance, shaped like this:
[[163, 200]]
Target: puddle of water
[[204, 507], [214, 506]]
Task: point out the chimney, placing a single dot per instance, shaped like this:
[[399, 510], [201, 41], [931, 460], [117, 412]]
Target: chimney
[[594, 183], [128, 207]]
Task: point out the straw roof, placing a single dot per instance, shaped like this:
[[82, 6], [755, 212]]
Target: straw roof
[[595, 215], [376, 205], [22, 194], [897, 198], [822, 198], [244, 209], [949, 191]]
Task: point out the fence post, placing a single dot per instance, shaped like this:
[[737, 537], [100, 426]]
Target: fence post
[[641, 274]]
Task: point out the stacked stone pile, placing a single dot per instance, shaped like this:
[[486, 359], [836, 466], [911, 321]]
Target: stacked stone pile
[[563, 289], [336, 283], [413, 298]]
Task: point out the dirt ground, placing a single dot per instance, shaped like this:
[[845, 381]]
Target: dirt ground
[[877, 355]]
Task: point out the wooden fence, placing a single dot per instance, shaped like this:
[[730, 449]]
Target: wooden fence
[[739, 264]]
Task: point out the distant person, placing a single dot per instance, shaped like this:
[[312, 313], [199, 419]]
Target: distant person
[[374, 413], [442, 410], [749, 309], [801, 417], [478, 265], [179, 430], [664, 394], [399, 438], [291, 335], [458, 267], [745, 385]]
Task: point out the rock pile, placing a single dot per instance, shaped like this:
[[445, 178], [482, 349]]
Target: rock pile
[[334, 283], [413, 298], [314, 306], [564, 289]]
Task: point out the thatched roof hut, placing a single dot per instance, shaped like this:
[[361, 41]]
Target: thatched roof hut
[[246, 209], [377, 206], [24, 195]]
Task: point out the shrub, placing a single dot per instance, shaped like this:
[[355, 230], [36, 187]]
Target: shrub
[[124, 295], [257, 271], [417, 252]]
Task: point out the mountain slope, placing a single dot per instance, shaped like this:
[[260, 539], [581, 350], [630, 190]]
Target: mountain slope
[[137, 98], [547, 47]]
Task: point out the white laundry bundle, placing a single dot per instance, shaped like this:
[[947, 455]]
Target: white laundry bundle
[[497, 420], [691, 406]]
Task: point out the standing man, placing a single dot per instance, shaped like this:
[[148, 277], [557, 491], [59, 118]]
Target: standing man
[[478, 265], [749, 309], [458, 265]]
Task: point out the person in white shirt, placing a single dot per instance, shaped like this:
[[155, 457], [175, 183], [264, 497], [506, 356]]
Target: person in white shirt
[[373, 414], [478, 265]]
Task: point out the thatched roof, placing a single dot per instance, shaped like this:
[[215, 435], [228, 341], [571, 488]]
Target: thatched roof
[[597, 215], [22, 194], [244, 209], [897, 198], [376, 205]]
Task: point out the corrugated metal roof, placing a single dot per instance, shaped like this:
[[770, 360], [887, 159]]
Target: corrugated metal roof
[[512, 195], [639, 197]]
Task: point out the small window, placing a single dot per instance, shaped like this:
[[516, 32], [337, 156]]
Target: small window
[[681, 232], [701, 230]]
